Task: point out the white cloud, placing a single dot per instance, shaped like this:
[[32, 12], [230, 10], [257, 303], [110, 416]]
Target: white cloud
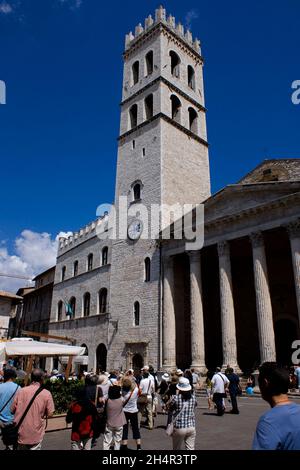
[[34, 253], [72, 4], [5, 8], [190, 16]]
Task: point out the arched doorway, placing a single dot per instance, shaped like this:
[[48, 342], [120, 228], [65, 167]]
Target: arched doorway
[[285, 334], [101, 358], [137, 361]]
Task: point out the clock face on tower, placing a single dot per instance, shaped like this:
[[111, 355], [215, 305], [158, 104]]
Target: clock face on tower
[[135, 229]]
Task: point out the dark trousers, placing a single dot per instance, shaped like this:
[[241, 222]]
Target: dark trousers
[[218, 399], [234, 403], [131, 418]]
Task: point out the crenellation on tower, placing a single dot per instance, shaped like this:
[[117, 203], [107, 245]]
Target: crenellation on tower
[[139, 30], [180, 29], [160, 14], [148, 22], [188, 36], [169, 23]]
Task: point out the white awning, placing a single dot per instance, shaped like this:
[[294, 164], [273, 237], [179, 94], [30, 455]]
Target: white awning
[[37, 348]]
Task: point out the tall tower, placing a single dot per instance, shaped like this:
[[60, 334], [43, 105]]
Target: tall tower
[[162, 159]]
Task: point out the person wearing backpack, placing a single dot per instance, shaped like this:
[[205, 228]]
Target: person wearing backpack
[[8, 389]]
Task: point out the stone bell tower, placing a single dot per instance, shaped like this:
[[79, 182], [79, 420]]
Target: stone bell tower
[[162, 159]]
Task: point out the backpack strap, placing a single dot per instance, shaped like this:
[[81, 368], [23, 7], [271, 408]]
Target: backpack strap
[[10, 398]]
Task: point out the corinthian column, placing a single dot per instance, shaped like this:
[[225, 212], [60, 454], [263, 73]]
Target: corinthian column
[[263, 300], [294, 233], [169, 325], [197, 324], [227, 307]]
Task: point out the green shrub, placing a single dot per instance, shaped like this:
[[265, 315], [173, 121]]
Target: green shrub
[[63, 393]]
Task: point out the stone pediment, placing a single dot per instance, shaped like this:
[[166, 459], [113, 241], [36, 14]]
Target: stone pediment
[[238, 197]]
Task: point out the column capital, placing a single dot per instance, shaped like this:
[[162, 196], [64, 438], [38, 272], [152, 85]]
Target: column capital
[[168, 261], [257, 239], [293, 228], [223, 248], [194, 256]]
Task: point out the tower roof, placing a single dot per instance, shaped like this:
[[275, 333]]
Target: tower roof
[[169, 23]]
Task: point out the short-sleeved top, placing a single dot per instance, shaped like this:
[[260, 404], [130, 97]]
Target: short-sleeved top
[[115, 413], [279, 429], [7, 390], [186, 419], [219, 382], [131, 405], [32, 429]]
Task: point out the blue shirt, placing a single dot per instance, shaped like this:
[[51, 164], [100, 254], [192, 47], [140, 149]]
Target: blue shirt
[[279, 429], [6, 391], [297, 372]]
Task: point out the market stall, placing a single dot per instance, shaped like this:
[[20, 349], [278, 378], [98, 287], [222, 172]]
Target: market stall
[[30, 349]]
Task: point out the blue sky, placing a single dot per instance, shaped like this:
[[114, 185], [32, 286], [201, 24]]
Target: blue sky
[[62, 65]]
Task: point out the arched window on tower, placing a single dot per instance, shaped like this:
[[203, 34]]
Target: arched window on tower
[[133, 116], [191, 77], [175, 64], [72, 303], [103, 300], [149, 63], [193, 118], [63, 273], [136, 190], [135, 72], [75, 268], [59, 310], [86, 304], [149, 106], [147, 266], [104, 257], [175, 108], [90, 262], [136, 313]]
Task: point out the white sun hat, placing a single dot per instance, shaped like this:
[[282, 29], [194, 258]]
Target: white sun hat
[[184, 385]]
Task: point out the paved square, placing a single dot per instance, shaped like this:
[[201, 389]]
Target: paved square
[[229, 432]]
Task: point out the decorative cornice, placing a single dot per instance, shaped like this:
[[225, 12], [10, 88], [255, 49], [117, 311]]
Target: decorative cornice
[[252, 211], [170, 121], [162, 28], [169, 85]]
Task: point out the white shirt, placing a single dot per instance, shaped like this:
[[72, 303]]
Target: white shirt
[[131, 405], [218, 382], [147, 386]]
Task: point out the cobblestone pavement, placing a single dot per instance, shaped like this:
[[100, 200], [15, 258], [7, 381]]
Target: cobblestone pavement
[[229, 432]]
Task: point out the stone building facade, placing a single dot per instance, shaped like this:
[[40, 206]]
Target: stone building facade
[[36, 307], [136, 299]]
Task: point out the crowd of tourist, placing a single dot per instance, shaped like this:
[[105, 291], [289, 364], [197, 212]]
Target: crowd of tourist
[[110, 404]]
